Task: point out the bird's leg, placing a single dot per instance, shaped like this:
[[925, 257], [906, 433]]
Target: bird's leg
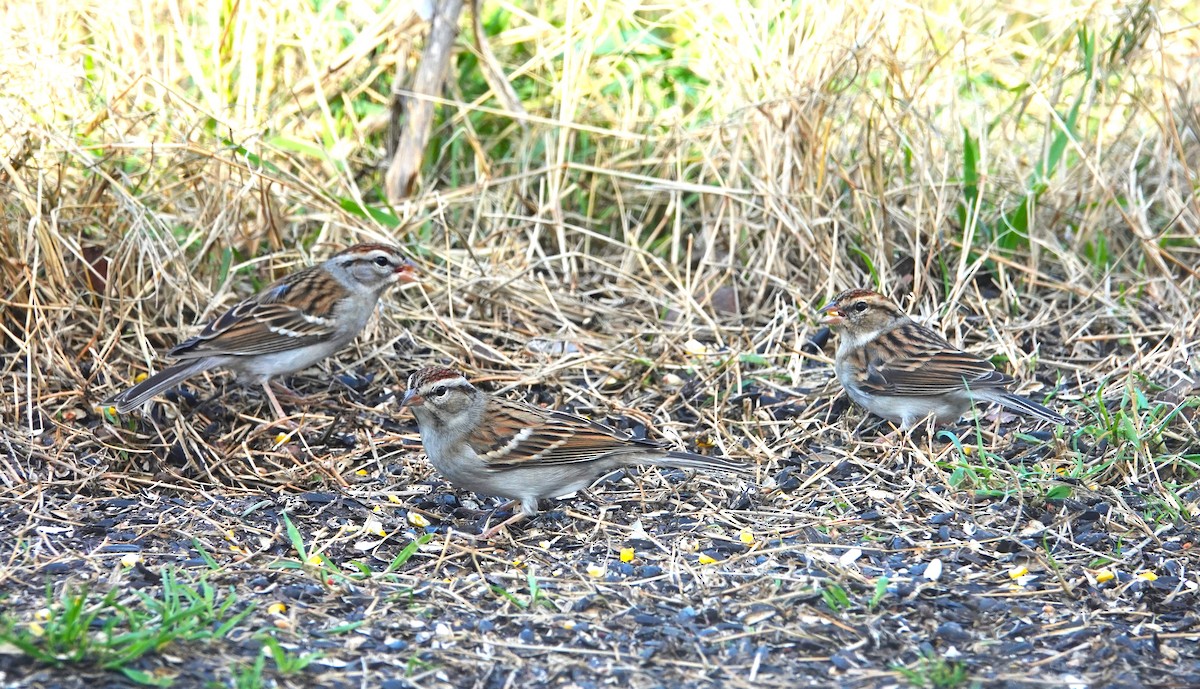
[[490, 533], [283, 420], [290, 394], [525, 511], [278, 410], [892, 438]]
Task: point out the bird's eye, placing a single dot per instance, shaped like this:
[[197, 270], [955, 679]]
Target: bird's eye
[[382, 261], [440, 391], [860, 306]]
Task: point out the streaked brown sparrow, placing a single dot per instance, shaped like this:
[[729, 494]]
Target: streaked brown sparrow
[[290, 325], [905, 372], [498, 447]]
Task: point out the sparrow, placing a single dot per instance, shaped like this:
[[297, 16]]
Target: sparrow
[[499, 447], [290, 325], [904, 372]]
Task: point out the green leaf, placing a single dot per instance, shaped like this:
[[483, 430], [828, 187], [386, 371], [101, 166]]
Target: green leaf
[[142, 677], [379, 215], [208, 559], [408, 551], [870, 265], [295, 538], [970, 169], [343, 628], [881, 585], [297, 146], [1060, 492], [754, 359]]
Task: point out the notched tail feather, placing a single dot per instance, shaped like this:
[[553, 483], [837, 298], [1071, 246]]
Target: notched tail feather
[[167, 378], [690, 460], [1032, 408]]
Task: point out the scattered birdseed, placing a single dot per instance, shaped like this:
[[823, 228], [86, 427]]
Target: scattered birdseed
[[627, 555], [417, 519], [374, 526], [933, 571]]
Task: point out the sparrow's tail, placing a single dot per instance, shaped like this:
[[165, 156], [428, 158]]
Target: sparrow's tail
[[1027, 406], [167, 378], [689, 460]]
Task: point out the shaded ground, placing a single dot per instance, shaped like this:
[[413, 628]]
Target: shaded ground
[[846, 562]]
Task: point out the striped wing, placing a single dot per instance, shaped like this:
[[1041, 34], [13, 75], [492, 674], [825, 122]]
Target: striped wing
[[288, 314], [913, 360], [524, 436]]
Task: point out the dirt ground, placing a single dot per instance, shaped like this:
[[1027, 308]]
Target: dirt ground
[[849, 560]]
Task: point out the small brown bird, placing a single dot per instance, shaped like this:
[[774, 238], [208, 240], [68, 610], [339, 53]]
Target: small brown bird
[[905, 372], [288, 326], [498, 447]]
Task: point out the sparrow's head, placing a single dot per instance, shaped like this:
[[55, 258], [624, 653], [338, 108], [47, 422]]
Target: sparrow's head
[[861, 311], [372, 266], [438, 394]]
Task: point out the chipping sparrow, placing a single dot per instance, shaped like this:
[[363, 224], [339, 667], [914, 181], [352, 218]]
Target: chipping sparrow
[[498, 447], [292, 324], [905, 372]]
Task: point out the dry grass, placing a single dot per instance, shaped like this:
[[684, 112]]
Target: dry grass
[[702, 172]]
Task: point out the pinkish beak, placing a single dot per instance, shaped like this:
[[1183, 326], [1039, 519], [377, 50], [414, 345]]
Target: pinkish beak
[[834, 315], [411, 399], [406, 272]]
